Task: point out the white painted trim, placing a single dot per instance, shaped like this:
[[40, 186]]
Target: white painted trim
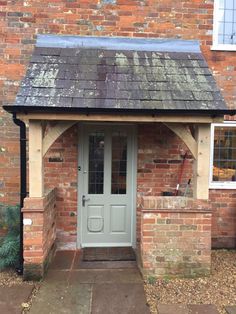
[[215, 23], [216, 45], [211, 155], [80, 191], [223, 184], [221, 47]]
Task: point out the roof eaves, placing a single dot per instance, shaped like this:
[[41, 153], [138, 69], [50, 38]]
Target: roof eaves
[[138, 111]]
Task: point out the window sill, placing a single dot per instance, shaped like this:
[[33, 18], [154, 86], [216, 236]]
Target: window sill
[[222, 186], [224, 47]]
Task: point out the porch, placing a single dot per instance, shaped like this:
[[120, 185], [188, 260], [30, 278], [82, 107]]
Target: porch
[[158, 105], [171, 235]]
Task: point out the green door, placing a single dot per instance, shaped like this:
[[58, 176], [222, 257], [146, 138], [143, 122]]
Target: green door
[[106, 195]]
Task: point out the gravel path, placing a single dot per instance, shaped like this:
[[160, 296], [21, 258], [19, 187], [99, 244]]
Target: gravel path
[[219, 288], [9, 278]]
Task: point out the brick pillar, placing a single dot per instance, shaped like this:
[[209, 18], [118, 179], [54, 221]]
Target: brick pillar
[[39, 233]]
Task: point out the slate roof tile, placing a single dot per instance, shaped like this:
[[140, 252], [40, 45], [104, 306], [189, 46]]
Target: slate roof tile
[[97, 78]]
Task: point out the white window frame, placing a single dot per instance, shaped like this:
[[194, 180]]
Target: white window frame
[[216, 45], [219, 184]]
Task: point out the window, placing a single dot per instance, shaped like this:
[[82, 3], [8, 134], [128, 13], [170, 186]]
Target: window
[[223, 156], [224, 32]]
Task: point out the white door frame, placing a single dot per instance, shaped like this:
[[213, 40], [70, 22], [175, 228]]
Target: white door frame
[[80, 180]]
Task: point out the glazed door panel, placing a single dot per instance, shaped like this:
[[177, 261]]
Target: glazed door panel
[[106, 201]]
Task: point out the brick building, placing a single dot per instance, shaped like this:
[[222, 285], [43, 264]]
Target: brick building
[[68, 126]]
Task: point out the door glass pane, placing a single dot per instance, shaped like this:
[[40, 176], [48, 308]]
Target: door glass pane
[[96, 163], [119, 163]]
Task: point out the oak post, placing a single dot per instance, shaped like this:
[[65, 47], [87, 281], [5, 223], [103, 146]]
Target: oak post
[[202, 163], [36, 180]]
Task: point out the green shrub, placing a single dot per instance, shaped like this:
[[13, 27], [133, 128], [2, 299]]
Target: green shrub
[[10, 244], [151, 280]]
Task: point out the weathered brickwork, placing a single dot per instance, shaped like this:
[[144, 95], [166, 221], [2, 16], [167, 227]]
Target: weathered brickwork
[[159, 160], [158, 170], [9, 158], [223, 204], [175, 237], [160, 156], [61, 169], [40, 235]]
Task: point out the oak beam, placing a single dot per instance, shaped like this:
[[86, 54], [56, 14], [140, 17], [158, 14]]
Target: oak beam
[[202, 163], [54, 132], [183, 132], [36, 178], [119, 118]]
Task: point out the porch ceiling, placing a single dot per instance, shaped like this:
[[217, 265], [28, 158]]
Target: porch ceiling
[[88, 78]]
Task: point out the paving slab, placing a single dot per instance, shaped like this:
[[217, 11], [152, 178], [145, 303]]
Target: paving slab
[[119, 298], [62, 260], [203, 309], [117, 291], [57, 277], [83, 276], [11, 298], [62, 299], [105, 265], [99, 287], [173, 309], [230, 309], [187, 309], [106, 276]]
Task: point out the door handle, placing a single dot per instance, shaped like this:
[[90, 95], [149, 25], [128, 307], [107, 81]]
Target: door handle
[[84, 199]]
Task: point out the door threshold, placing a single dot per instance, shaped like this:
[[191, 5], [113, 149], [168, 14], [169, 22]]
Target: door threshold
[[108, 254]]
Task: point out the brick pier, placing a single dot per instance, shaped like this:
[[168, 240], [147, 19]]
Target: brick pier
[[39, 233]]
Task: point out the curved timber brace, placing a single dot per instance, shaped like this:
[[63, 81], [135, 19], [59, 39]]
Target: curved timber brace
[[200, 149], [38, 147], [184, 133], [54, 132]]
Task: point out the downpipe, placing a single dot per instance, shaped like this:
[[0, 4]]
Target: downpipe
[[23, 185]]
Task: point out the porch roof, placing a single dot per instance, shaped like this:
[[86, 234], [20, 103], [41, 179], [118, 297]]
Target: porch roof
[[150, 75]]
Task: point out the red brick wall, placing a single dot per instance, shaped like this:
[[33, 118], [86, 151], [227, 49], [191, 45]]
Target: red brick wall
[[158, 170], [61, 168], [9, 159], [176, 243], [223, 203], [20, 21], [160, 157], [175, 237]]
